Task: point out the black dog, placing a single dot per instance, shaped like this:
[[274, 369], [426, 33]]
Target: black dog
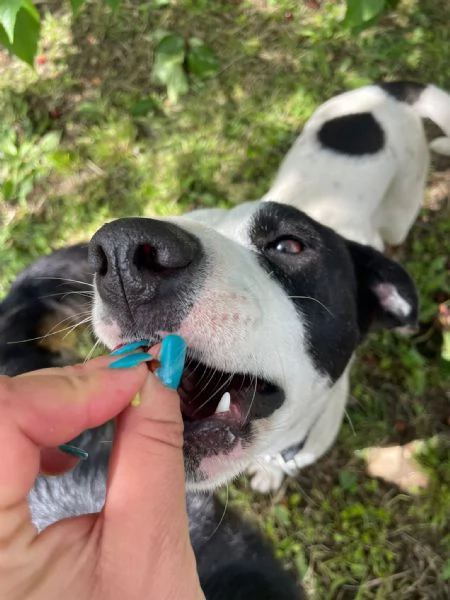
[[234, 561]]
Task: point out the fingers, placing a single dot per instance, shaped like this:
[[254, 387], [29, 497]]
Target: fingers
[[50, 407], [147, 485]]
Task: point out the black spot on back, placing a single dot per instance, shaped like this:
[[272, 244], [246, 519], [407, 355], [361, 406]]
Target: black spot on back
[[403, 91], [356, 134]]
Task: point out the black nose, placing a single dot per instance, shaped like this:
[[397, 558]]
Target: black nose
[[146, 270]]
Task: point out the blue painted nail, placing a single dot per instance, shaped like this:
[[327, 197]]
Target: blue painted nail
[[74, 451], [131, 347], [172, 356], [132, 360]]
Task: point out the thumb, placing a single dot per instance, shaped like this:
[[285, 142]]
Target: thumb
[[145, 520]]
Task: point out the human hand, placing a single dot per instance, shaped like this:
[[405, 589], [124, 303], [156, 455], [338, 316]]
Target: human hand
[[138, 547]]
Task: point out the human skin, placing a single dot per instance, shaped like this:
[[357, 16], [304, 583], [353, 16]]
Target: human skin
[[138, 547]]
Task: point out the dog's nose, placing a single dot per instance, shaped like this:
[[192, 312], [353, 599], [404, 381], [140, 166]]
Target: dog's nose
[[141, 261]]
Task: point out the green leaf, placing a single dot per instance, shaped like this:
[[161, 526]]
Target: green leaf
[[8, 14], [445, 352], [177, 84], [49, 141], [26, 33], [76, 5], [168, 65], [8, 189], [113, 4], [141, 108], [282, 514], [201, 61], [171, 48], [361, 12], [445, 573], [348, 481]]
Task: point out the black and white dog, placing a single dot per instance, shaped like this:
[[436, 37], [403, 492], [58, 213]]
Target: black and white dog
[[271, 303]]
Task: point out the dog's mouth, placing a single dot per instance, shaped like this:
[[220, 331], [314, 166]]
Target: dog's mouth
[[218, 406], [208, 393]]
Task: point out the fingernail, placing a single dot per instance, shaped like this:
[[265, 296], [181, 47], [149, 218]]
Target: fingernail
[[126, 348], [132, 360], [74, 451], [172, 356]]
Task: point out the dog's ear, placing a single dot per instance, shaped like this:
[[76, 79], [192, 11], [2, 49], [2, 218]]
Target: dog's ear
[[387, 296]]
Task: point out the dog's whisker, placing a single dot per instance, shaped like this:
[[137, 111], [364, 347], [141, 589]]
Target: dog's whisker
[[211, 377], [227, 381], [72, 329], [350, 422], [86, 294], [52, 332], [202, 377], [91, 351], [314, 300], [254, 393], [223, 515], [65, 280]]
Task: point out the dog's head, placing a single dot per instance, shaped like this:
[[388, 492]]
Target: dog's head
[[272, 306]]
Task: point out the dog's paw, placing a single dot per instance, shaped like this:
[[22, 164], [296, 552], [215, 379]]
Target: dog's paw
[[265, 478]]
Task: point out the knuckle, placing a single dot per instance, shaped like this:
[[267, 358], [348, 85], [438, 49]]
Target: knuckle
[[164, 434]]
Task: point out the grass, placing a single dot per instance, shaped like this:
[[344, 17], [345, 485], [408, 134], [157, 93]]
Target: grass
[[89, 137]]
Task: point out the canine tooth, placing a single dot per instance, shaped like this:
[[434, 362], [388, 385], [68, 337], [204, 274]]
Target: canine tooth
[[224, 404]]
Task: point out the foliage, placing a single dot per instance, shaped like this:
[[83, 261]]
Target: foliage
[[20, 28], [175, 59], [363, 13]]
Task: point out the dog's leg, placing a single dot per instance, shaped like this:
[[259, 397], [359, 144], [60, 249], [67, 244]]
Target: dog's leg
[[266, 475], [404, 198]]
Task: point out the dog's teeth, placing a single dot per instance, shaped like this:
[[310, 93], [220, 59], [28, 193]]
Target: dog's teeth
[[224, 404]]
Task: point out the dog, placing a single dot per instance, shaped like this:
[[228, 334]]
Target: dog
[[360, 167], [234, 560], [272, 305]]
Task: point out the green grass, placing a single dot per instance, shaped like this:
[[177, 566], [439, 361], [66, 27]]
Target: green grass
[[89, 137]]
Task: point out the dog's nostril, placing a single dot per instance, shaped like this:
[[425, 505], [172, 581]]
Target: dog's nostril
[[146, 258], [100, 261]]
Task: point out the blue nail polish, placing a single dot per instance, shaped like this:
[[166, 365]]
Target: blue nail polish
[[74, 451], [131, 360], [172, 356], [131, 347]]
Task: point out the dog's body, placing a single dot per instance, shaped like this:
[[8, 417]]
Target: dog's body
[[360, 167], [271, 304], [361, 162]]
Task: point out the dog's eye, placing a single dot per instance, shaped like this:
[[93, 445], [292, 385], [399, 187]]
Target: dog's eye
[[287, 246]]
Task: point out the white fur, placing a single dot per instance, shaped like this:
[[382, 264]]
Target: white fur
[[373, 199]]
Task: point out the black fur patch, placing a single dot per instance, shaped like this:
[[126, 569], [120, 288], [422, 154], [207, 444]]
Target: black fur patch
[[403, 91], [332, 282], [44, 301], [356, 134], [320, 281]]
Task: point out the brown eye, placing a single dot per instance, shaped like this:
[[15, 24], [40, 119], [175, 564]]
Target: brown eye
[[288, 246]]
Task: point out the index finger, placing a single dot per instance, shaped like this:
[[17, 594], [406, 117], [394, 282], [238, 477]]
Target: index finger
[[47, 409]]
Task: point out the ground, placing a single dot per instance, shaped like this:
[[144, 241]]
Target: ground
[[90, 136]]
